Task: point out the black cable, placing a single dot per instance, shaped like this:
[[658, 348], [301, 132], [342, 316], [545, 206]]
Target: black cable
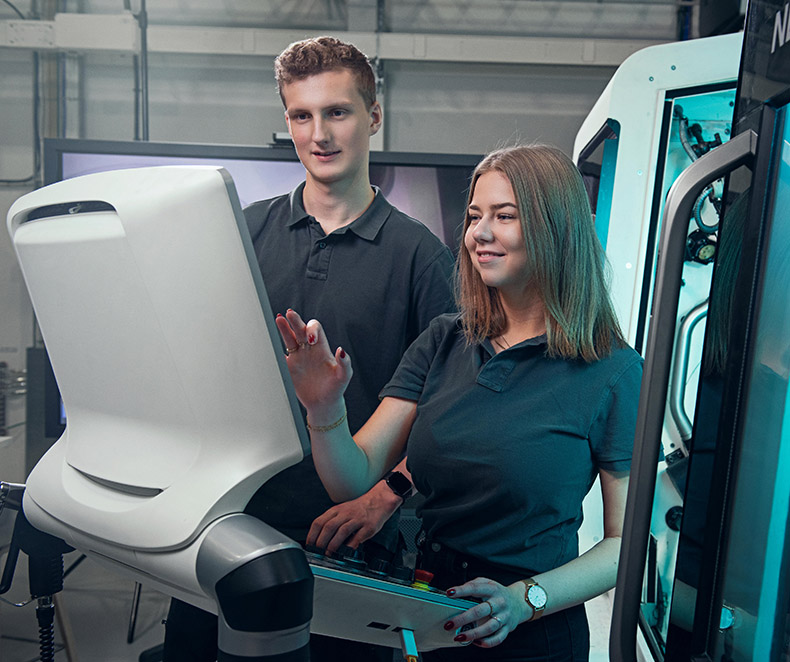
[[142, 19], [45, 615], [74, 565], [18, 13]]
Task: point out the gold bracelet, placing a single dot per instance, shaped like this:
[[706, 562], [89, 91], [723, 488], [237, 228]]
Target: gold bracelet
[[327, 428]]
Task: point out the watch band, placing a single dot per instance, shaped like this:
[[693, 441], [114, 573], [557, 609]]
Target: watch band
[[399, 484], [537, 601]]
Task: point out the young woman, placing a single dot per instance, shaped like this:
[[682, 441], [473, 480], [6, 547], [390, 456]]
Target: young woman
[[508, 412]]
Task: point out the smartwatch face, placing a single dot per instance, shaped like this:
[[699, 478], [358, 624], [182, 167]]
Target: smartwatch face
[[399, 484], [537, 597]]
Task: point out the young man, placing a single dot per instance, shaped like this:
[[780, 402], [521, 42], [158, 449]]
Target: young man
[[336, 250]]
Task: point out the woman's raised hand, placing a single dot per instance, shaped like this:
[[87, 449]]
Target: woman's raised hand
[[320, 377]]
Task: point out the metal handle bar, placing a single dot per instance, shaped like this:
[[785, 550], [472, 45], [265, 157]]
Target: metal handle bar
[[655, 380], [680, 366]]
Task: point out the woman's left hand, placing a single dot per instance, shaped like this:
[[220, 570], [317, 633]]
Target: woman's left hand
[[502, 609]]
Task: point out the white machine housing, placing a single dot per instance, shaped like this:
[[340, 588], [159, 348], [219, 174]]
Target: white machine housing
[[179, 406], [702, 74], [634, 98], [175, 389]]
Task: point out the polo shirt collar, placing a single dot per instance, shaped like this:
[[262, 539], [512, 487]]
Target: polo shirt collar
[[537, 341], [496, 368], [366, 226]]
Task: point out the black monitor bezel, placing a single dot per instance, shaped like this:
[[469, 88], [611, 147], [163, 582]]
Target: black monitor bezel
[[55, 148]]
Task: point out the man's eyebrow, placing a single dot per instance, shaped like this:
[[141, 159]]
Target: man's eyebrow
[[329, 106]]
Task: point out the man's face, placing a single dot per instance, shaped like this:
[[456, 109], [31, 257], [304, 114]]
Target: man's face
[[331, 126]]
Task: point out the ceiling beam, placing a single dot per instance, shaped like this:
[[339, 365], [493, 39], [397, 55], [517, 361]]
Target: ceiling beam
[[119, 33]]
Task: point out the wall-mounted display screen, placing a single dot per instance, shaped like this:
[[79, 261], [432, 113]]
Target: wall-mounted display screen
[[430, 187]]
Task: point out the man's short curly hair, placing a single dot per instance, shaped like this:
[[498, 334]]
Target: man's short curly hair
[[320, 54]]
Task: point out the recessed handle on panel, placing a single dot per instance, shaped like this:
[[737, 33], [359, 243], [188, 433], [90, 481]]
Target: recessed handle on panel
[[655, 381], [680, 366]]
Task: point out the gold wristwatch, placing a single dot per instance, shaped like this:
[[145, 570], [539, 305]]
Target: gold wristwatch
[[535, 596]]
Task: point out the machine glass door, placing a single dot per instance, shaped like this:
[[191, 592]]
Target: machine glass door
[[753, 581], [695, 124], [686, 527]]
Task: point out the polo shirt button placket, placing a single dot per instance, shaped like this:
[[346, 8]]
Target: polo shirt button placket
[[319, 258]]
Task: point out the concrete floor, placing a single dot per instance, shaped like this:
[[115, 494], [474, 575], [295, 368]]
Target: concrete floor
[[94, 611]]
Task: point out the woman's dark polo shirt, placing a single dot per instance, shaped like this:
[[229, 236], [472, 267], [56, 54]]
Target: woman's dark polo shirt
[[374, 285], [505, 446]]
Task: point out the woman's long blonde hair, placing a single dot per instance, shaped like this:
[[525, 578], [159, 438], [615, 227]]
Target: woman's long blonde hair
[[565, 259]]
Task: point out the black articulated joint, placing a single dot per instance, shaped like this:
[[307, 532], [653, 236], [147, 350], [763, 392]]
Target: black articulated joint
[[263, 587], [273, 592], [271, 597]]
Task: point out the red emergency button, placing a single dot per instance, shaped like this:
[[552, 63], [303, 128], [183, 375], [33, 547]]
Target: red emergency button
[[422, 579]]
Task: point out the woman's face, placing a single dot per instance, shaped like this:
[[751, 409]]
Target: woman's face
[[494, 237]]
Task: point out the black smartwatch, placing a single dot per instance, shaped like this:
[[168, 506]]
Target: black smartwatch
[[399, 484]]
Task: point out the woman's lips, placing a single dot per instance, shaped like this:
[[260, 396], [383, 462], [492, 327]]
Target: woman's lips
[[487, 256]]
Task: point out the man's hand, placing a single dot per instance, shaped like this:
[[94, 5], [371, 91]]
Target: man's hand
[[353, 522]]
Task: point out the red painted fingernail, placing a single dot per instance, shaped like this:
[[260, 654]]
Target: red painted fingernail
[[311, 339], [450, 591], [460, 637], [279, 314], [448, 625], [342, 353]]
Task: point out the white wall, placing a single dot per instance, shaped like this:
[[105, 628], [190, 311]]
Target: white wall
[[429, 107], [473, 108]]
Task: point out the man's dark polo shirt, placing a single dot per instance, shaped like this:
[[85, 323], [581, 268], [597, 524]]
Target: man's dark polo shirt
[[505, 446], [374, 285]]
